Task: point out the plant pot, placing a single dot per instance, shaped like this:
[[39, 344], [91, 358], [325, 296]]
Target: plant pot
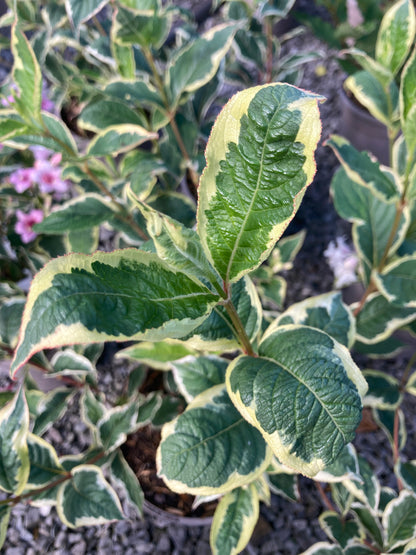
[[362, 129]]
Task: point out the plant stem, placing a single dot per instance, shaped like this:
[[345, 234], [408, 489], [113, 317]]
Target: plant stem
[[325, 499], [171, 115], [65, 476], [239, 327], [396, 223], [123, 214], [396, 441], [268, 31]]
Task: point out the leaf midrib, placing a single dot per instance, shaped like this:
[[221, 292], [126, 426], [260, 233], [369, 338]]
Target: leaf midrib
[[286, 369], [248, 212]]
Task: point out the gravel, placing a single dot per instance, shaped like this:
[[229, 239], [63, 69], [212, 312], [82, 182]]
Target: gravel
[[284, 528]]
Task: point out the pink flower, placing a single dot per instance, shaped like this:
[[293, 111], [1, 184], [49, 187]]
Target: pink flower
[[6, 101], [343, 262], [25, 222], [22, 179], [41, 152], [354, 15], [47, 174], [46, 103]]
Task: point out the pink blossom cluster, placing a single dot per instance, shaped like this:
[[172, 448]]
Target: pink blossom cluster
[[45, 173], [343, 261], [25, 223]]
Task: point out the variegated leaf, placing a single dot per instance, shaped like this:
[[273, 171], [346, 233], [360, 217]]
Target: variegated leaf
[[370, 93], [305, 416], [210, 448], [193, 375], [157, 354], [14, 454], [399, 520], [397, 282], [408, 87], [363, 170], [234, 521], [198, 61], [5, 512], [378, 319], [109, 296], [326, 312], [383, 390], [44, 463], [344, 532], [260, 159], [27, 77], [147, 28], [396, 35], [128, 481], [323, 548], [82, 10], [78, 214], [87, 499], [118, 138]]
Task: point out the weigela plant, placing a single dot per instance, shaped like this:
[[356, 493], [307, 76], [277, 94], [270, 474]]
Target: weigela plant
[[270, 393]]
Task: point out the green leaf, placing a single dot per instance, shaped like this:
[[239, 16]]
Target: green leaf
[[409, 131], [345, 467], [60, 135], [303, 393], [370, 522], [147, 28], [83, 241], [377, 70], [396, 35], [259, 162], [127, 480], [11, 126], [128, 294], [135, 91], [87, 499], [198, 61], [326, 312], [44, 463], [408, 87], [69, 363], [378, 319], [397, 282], [11, 313], [158, 355], [383, 390], [78, 214], [114, 426], [50, 408], [285, 485], [194, 375], [179, 246], [362, 170], [286, 250], [368, 489], [386, 420], [5, 512], [399, 520], [406, 471], [370, 93], [14, 455], [106, 113], [216, 333], [118, 138], [82, 10], [92, 409], [210, 448], [234, 520], [372, 219], [27, 76], [342, 531]]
